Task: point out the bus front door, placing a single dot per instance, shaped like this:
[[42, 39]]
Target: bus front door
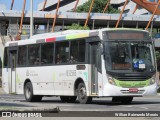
[[12, 70], [93, 60]]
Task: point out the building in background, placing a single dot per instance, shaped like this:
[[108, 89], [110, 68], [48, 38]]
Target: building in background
[[67, 5], [129, 8]]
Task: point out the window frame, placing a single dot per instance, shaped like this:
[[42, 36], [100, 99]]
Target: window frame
[[6, 54], [66, 63], [53, 62], [26, 56]]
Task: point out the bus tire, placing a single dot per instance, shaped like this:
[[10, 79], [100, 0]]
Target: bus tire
[[126, 100], [82, 94], [68, 99], [28, 92]]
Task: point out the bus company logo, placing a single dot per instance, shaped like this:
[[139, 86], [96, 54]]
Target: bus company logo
[[27, 73]]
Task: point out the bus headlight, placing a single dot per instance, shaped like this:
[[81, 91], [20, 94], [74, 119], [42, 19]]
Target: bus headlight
[[153, 79], [111, 80]]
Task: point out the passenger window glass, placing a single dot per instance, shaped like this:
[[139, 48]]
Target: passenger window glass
[[22, 55], [77, 51], [74, 51], [34, 55], [5, 63], [81, 51], [62, 52], [47, 53]]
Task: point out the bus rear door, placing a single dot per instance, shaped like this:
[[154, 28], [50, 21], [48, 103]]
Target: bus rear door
[[12, 71]]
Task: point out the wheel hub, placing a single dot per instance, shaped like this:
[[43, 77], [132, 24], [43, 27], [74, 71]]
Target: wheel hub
[[82, 92], [28, 92]]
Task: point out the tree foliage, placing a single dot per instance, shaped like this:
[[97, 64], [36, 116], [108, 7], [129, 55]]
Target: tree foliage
[[75, 26], [98, 7]]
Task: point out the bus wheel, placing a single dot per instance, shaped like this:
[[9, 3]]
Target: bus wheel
[[68, 99], [126, 100], [28, 92], [82, 94]]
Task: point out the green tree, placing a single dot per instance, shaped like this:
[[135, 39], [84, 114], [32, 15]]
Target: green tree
[[98, 7]]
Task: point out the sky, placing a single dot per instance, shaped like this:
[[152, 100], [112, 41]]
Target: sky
[[18, 4]]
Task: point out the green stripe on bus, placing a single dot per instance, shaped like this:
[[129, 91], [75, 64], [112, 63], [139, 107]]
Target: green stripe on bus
[[17, 79], [77, 36], [54, 76], [133, 84]]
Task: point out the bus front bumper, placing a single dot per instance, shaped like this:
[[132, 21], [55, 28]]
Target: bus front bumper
[[111, 90]]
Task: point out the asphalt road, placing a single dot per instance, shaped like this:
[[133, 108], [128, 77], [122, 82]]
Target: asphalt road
[[148, 103], [17, 102]]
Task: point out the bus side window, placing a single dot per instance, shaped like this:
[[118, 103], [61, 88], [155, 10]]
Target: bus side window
[[81, 51], [47, 51], [62, 52], [74, 51], [34, 54], [5, 59], [77, 51], [22, 53]]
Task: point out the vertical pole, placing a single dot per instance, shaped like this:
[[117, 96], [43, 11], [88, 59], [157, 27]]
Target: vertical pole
[[135, 9], [47, 26], [121, 13], [106, 7], [12, 5], [31, 18], [75, 7], [55, 16], [9, 30], [89, 13], [93, 24], [151, 28], [153, 15], [137, 25], [63, 25], [44, 5], [122, 24], [18, 37], [108, 24], [17, 26]]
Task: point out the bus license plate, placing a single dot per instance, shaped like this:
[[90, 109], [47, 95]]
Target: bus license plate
[[135, 90]]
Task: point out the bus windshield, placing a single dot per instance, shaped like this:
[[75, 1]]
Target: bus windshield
[[133, 56]]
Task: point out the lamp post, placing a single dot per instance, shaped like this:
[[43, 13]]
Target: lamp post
[[31, 18]]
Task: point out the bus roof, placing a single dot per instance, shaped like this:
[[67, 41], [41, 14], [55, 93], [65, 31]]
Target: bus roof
[[64, 35]]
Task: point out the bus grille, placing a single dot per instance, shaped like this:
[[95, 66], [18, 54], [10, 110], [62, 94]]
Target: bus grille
[[136, 93], [132, 78]]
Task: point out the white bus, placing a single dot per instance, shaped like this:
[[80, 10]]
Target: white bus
[[118, 63]]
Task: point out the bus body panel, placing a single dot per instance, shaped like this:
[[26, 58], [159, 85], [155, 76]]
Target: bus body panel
[[52, 80], [5, 80]]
